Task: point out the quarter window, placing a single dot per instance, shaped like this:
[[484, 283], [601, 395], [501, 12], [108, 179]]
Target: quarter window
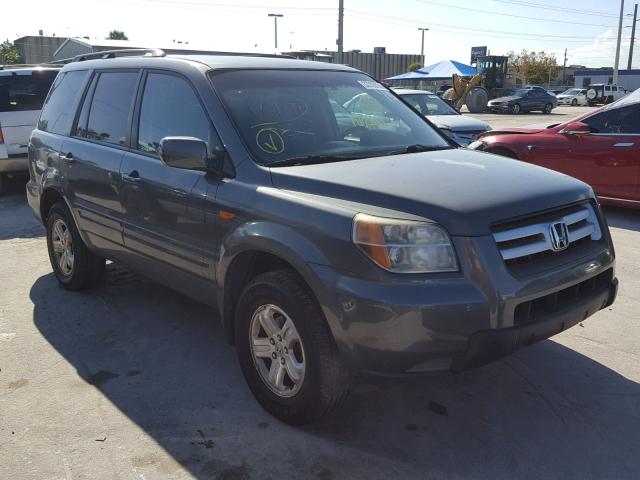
[[169, 108], [60, 107], [110, 107]]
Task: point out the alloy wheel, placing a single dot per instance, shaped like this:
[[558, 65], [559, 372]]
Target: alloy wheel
[[62, 244], [277, 350]]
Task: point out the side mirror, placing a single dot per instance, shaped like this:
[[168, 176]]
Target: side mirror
[[576, 128], [191, 153]]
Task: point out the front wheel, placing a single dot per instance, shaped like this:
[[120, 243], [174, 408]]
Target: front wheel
[[286, 351], [574, 102], [516, 109], [75, 267], [547, 108]]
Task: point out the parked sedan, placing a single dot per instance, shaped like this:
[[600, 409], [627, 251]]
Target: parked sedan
[[524, 100], [573, 97], [460, 128], [601, 148]]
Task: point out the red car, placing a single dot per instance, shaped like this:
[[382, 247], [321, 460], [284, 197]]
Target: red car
[[602, 148]]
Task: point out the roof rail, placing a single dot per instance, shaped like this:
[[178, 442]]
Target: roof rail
[[125, 52]]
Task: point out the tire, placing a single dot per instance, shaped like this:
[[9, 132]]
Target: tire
[[477, 100], [1, 183], [574, 102], [516, 109], [547, 108], [324, 381], [85, 269]]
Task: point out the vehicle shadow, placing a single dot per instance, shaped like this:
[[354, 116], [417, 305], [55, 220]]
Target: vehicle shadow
[[16, 220], [162, 360], [625, 218]]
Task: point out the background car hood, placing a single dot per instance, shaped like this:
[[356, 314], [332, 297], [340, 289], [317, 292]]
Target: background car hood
[[505, 99], [514, 130], [458, 123], [464, 190]]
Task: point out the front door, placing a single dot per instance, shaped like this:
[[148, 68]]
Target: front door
[[608, 159], [164, 220]]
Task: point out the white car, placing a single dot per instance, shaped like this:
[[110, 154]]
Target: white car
[[601, 93], [458, 127], [22, 93], [573, 97]]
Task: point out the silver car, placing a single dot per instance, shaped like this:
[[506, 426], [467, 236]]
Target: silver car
[[458, 127]]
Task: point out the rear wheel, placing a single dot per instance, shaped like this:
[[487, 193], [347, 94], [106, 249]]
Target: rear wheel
[[515, 109], [286, 351], [75, 267]]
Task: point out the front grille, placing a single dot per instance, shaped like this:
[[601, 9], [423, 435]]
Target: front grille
[[530, 241], [549, 304]]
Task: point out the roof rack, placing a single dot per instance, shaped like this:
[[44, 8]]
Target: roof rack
[[125, 52]]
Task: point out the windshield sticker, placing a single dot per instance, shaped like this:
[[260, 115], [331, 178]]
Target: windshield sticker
[[371, 85], [270, 141]]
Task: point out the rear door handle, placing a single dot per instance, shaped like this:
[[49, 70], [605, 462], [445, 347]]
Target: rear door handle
[[624, 144], [68, 159], [133, 177]]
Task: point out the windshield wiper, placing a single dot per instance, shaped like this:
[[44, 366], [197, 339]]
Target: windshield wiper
[[312, 159], [417, 148]]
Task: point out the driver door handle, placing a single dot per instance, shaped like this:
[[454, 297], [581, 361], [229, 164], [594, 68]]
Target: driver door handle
[[624, 144], [133, 177]]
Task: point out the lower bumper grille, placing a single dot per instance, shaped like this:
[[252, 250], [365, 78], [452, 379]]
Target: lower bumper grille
[[549, 304]]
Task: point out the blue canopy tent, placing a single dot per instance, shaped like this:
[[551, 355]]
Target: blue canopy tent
[[438, 71], [444, 69]]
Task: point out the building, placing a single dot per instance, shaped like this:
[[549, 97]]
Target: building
[[378, 65], [37, 49], [629, 79], [82, 46]]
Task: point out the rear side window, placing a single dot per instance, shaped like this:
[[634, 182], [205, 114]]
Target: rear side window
[[616, 120], [170, 107], [110, 107], [60, 108], [22, 90]]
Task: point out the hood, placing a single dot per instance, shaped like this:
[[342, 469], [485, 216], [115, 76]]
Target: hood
[[463, 190], [514, 131], [505, 99], [458, 123]]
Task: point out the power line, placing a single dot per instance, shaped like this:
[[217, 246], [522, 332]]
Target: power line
[[576, 11], [491, 12]]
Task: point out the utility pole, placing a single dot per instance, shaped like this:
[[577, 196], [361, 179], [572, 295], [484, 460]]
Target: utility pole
[[617, 62], [633, 35], [340, 41], [564, 68], [275, 24], [422, 47]]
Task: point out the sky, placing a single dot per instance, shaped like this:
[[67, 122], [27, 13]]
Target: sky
[[586, 28]]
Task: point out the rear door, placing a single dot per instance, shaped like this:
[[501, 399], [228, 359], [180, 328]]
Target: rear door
[[92, 156], [22, 94], [164, 221]]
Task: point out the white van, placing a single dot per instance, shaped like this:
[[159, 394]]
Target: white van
[[22, 93]]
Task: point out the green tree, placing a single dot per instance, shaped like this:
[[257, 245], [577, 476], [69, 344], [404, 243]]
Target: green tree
[[117, 35], [534, 66], [9, 54], [414, 66]]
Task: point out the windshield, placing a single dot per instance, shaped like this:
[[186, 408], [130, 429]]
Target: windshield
[[428, 104], [572, 91], [284, 115]]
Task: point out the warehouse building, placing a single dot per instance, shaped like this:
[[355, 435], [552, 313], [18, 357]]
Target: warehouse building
[[629, 79]]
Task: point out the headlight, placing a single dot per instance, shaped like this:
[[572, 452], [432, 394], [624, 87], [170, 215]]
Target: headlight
[[404, 246], [477, 145]]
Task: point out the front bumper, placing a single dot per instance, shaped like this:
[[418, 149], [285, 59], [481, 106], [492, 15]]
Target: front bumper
[[504, 108], [17, 164], [400, 326]]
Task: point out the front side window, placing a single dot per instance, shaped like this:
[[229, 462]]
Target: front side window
[[22, 90], [616, 120], [429, 104], [309, 115], [169, 108], [110, 107]]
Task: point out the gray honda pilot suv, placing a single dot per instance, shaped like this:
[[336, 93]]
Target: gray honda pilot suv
[[332, 241]]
